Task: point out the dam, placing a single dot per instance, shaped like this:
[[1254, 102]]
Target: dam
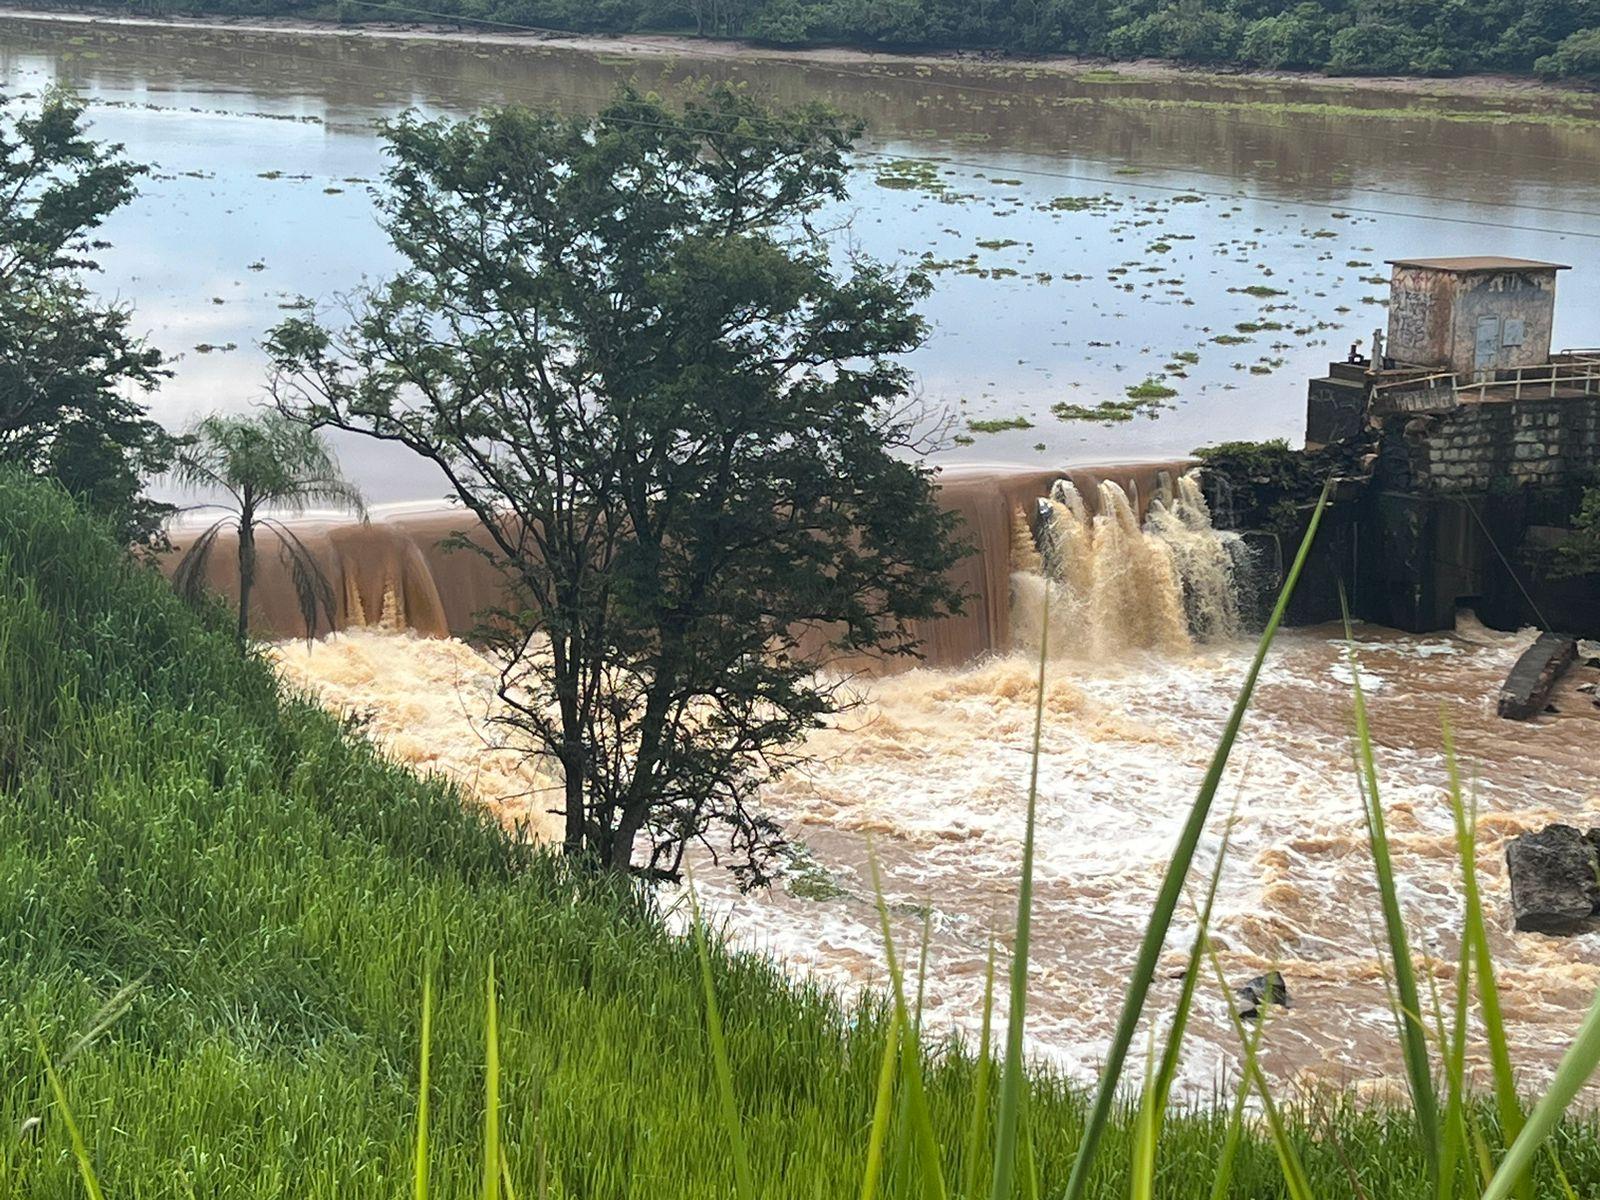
[[1129, 551]]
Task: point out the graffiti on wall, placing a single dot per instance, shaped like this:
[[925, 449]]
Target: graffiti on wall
[[1410, 318]]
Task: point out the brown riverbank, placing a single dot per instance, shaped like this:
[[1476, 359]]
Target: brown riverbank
[[1485, 87]]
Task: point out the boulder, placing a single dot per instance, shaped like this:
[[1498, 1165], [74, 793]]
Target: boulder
[[1555, 879], [1263, 989]]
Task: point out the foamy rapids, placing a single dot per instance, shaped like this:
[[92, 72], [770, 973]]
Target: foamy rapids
[[1146, 655]]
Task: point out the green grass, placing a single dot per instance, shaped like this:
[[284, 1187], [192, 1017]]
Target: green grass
[[282, 967]]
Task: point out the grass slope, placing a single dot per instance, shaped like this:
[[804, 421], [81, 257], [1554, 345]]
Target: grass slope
[[168, 815]]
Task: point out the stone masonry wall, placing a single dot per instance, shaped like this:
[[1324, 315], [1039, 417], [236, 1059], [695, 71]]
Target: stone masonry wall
[[1501, 446]]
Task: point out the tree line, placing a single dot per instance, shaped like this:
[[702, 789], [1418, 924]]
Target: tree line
[[1554, 38]]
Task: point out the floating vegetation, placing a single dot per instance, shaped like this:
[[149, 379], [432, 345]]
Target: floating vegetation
[[1107, 412], [208, 348], [1259, 290], [1075, 203], [999, 424], [807, 879], [1258, 326], [1151, 389], [999, 243], [1229, 339], [910, 174], [1188, 198]]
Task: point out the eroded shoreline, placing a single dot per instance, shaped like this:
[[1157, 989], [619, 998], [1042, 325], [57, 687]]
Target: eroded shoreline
[[1487, 87]]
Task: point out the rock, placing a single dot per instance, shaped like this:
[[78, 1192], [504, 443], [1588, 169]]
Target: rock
[[1555, 879], [1263, 989], [1527, 687]]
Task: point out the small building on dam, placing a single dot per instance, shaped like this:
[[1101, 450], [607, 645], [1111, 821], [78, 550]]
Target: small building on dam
[[1461, 442]]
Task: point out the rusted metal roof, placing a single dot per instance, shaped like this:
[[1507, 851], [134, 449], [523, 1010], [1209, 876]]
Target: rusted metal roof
[[1471, 263]]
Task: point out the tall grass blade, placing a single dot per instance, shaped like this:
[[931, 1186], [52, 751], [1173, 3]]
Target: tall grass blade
[[1508, 1105], [491, 1089], [1012, 1082], [505, 1178], [1166, 904], [1158, 1081], [1413, 1038], [881, 1109], [1295, 1180], [918, 1115], [91, 1184], [419, 1188], [1142, 1162], [1455, 1139], [980, 1086], [1577, 1065], [1030, 1162], [1222, 1181], [743, 1178]]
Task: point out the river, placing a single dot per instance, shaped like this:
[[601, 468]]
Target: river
[[1099, 229], [1090, 230]]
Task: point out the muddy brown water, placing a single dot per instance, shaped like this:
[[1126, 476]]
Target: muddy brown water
[[1086, 232]]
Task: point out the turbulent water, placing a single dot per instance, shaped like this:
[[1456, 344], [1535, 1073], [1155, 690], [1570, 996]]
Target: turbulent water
[[1116, 584], [931, 770]]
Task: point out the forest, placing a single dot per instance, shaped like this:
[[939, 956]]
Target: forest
[[1552, 38]]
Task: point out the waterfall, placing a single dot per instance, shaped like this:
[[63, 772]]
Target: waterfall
[[1117, 585]]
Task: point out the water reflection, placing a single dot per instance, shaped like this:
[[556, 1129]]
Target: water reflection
[[1184, 201]]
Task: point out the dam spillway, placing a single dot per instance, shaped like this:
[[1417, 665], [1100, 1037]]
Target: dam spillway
[[1127, 551]]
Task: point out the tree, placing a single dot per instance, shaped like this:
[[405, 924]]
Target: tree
[[1579, 552], [1578, 55], [267, 464], [69, 367], [676, 421]]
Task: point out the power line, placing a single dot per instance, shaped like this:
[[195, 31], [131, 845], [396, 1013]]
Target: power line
[[977, 89], [937, 161]]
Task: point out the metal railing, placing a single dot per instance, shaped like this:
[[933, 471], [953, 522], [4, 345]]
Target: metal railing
[[1582, 374]]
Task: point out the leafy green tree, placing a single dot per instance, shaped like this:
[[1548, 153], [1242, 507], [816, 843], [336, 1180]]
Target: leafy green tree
[[267, 465], [70, 370], [1577, 56], [1579, 552], [676, 420]]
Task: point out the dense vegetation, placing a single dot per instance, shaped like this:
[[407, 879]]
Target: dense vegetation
[[275, 893], [71, 371], [1553, 37]]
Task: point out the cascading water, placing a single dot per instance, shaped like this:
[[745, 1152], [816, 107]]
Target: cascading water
[[1115, 585]]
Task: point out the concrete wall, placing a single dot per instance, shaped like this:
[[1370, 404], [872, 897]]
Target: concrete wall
[[1496, 446], [1420, 306], [1527, 297]]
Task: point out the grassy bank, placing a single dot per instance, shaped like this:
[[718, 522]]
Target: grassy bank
[[279, 892]]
